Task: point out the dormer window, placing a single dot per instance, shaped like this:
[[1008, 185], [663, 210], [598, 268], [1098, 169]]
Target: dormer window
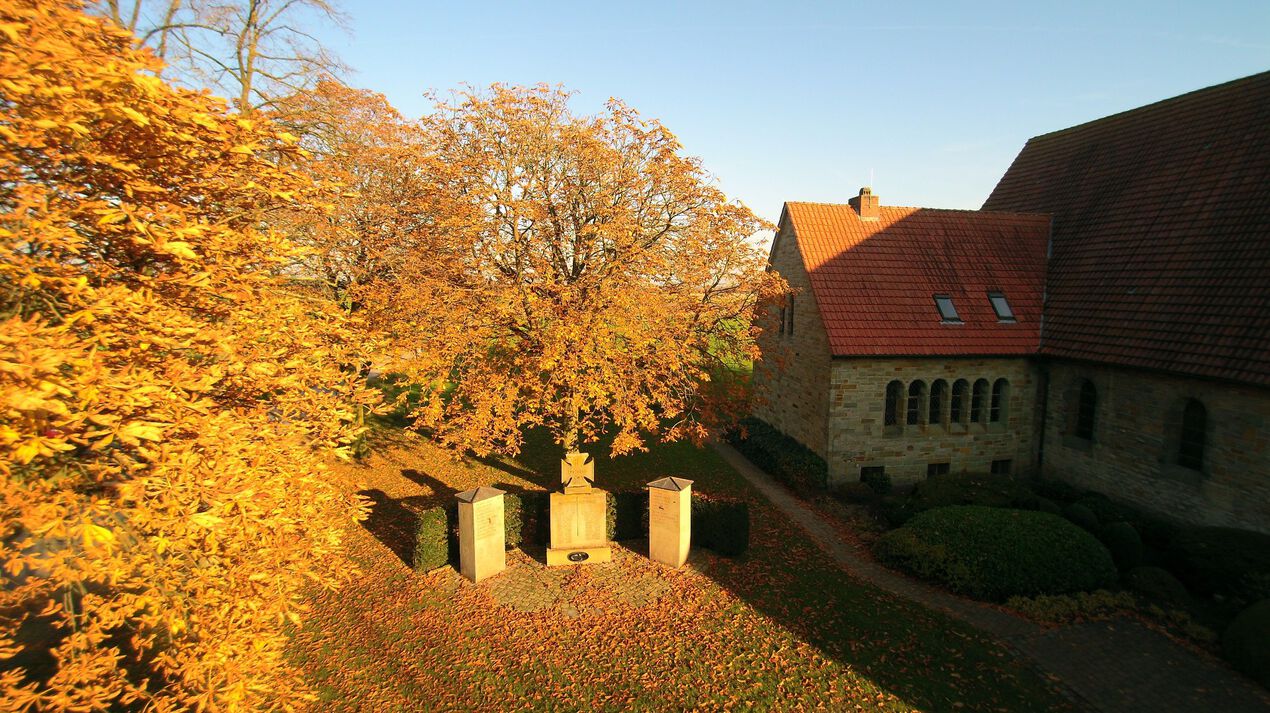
[[1001, 306], [947, 312]]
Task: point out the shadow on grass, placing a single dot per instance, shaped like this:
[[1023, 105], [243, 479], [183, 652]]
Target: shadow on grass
[[392, 523]]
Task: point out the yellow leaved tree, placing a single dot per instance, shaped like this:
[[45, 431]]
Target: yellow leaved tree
[[168, 394], [585, 276]]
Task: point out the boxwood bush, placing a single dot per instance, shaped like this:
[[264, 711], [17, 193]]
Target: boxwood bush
[[1246, 642], [722, 525], [1157, 586], [627, 515], [1222, 560], [1124, 543], [526, 519], [436, 543], [778, 455], [996, 553]]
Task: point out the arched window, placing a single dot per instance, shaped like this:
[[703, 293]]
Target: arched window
[[1086, 409], [916, 402], [978, 400], [894, 394], [960, 395], [938, 395], [1190, 450], [1000, 397]]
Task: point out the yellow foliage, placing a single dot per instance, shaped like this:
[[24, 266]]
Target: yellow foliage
[[167, 397]]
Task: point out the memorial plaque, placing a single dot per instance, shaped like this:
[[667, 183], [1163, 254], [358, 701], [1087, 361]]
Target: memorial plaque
[[482, 538], [669, 520]]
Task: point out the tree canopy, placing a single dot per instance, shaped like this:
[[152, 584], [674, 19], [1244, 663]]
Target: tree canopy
[[169, 395], [586, 277]]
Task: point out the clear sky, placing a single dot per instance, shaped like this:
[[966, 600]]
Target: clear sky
[[806, 100]]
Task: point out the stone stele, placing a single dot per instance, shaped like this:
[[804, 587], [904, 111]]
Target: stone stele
[[482, 540], [578, 531], [669, 520]]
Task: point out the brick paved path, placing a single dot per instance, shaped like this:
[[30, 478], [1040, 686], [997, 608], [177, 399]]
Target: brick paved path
[[1119, 665]]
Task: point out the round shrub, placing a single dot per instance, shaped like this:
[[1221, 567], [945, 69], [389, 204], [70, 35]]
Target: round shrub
[[432, 548], [1105, 509], [1156, 585], [1124, 543], [1246, 642], [1222, 560], [997, 553], [1082, 516], [722, 525], [1044, 504]]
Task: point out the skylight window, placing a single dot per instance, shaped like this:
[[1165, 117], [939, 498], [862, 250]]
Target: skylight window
[[947, 312], [1001, 306]]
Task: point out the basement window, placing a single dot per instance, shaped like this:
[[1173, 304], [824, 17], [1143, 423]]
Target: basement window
[[1001, 306], [947, 312]]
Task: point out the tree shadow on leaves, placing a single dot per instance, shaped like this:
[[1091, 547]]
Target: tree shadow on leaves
[[392, 523]]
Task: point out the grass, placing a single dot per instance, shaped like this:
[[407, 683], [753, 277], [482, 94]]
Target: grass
[[780, 627]]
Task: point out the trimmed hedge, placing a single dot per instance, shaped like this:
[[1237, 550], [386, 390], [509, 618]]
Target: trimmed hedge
[[1082, 516], [526, 519], [1222, 560], [782, 457], [433, 538], [996, 553], [1246, 642], [1124, 543], [1157, 585], [626, 516], [721, 525]]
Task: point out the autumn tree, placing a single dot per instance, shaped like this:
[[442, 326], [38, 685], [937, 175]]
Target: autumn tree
[[588, 277], [361, 143], [168, 396], [256, 52]]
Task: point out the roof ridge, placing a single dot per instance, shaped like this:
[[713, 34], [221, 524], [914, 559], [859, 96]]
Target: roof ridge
[[924, 208]]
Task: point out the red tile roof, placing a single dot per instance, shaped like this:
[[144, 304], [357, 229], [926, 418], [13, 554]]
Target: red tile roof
[[874, 280], [1161, 235]]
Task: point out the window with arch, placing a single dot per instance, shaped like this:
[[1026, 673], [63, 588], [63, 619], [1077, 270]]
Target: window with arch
[[1000, 397], [916, 402], [938, 395], [960, 395], [894, 394], [978, 400], [1190, 449], [1086, 410]]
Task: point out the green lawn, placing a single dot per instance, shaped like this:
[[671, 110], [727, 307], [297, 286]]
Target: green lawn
[[780, 626]]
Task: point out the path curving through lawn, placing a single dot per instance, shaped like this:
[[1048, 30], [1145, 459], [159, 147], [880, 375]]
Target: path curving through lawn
[[1119, 666]]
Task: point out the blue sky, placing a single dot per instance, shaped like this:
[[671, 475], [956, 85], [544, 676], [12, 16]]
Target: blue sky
[[802, 100]]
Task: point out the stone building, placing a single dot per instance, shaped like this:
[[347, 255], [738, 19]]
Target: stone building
[[1104, 320]]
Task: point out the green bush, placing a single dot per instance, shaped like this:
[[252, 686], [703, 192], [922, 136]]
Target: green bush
[[721, 525], [996, 553], [895, 510], [1246, 642], [998, 491], [854, 493], [1057, 490], [780, 456], [1156, 584], [879, 483], [1107, 510], [526, 519], [627, 515], [1062, 608], [434, 537], [1124, 543], [1221, 560], [1082, 516]]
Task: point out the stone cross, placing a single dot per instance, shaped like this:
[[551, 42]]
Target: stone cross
[[577, 472]]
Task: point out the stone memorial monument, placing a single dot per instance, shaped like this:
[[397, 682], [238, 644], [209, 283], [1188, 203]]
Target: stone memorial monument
[[482, 539], [578, 531], [669, 520]]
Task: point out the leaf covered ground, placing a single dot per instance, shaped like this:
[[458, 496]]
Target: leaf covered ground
[[778, 627]]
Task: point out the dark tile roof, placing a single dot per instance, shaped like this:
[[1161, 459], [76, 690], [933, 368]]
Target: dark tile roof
[[875, 280], [1161, 233]]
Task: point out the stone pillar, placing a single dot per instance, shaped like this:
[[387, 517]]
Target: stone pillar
[[482, 537], [578, 516], [669, 520]]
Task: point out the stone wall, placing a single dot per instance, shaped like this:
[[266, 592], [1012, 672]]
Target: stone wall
[[860, 438], [1133, 453], [792, 379]]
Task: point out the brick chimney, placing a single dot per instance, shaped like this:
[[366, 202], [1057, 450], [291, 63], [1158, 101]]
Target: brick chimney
[[866, 204]]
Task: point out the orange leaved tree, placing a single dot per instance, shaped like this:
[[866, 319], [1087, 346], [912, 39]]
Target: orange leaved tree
[[586, 277], [168, 396], [360, 142]]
